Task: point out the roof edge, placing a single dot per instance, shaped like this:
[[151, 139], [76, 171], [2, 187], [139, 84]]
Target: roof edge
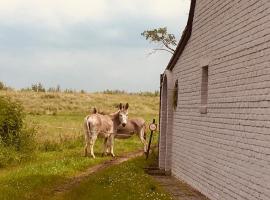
[[184, 39]]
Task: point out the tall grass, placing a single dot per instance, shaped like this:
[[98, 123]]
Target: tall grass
[[147, 93]]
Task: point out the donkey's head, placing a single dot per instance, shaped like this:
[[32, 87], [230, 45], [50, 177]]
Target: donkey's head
[[123, 114]]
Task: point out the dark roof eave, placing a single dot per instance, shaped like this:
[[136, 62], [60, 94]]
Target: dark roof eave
[[184, 39]]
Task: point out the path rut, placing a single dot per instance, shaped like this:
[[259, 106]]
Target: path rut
[[70, 183]]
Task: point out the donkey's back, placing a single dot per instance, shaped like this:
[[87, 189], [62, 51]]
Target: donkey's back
[[99, 124]]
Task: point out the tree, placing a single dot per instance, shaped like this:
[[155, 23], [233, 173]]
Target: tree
[[2, 85], [166, 41], [38, 87]]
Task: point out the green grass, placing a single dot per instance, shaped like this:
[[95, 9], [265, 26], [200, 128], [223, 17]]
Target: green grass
[[58, 118], [126, 181], [36, 179]]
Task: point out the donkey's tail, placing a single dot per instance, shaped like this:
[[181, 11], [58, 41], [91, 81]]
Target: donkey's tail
[[87, 125]]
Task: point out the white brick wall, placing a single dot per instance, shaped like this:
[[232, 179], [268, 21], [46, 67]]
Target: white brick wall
[[225, 153], [165, 144]]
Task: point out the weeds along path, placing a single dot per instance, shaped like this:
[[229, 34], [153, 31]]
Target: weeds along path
[[69, 184]]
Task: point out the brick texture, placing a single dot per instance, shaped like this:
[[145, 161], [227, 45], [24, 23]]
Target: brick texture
[[165, 144], [225, 153]]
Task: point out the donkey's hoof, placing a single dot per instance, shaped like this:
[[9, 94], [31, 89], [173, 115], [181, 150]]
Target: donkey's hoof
[[93, 156], [112, 155]]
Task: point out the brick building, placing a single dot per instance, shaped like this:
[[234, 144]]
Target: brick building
[[215, 101]]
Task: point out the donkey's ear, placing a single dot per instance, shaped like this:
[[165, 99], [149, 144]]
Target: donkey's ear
[[120, 106], [126, 107], [95, 110]]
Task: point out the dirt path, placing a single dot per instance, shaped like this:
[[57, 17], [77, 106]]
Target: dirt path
[[69, 184]]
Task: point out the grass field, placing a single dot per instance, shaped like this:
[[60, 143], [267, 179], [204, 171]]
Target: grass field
[[124, 182], [58, 118]]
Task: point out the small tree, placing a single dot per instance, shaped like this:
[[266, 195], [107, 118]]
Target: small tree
[[160, 36], [41, 88], [38, 87], [2, 86]]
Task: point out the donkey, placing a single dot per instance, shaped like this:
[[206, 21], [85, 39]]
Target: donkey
[[134, 125], [98, 125]]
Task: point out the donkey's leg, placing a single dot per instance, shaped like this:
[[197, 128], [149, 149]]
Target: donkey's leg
[[87, 144], [108, 146], [143, 139], [92, 143], [111, 143], [105, 147]]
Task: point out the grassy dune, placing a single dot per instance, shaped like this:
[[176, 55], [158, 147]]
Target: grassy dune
[[59, 116]]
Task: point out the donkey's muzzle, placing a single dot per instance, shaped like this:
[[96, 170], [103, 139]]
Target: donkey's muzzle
[[123, 124]]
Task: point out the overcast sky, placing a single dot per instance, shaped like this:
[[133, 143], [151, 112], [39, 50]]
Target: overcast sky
[[85, 44]]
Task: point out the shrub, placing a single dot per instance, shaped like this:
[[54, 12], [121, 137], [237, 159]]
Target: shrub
[[16, 140], [2, 85], [11, 120], [38, 88]]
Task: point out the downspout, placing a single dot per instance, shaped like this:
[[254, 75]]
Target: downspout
[[160, 89]]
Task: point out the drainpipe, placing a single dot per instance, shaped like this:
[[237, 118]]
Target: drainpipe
[[160, 89]]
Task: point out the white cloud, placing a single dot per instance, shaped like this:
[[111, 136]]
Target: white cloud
[[165, 9], [51, 12], [58, 12], [84, 44]]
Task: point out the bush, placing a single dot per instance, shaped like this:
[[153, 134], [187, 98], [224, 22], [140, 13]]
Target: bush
[[2, 85], [11, 121], [38, 88], [16, 140]]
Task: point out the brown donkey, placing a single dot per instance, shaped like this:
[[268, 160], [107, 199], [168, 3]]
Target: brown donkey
[[98, 125]]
